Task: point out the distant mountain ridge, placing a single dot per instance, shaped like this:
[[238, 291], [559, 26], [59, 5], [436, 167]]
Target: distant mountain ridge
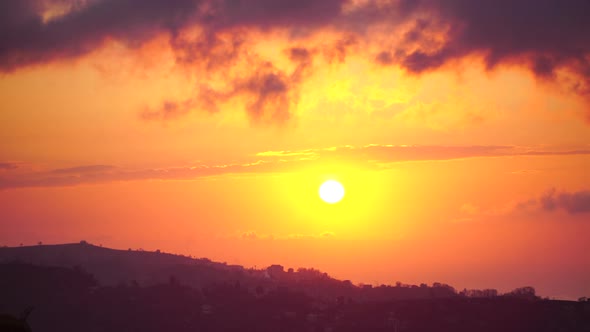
[[82, 287], [111, 267]]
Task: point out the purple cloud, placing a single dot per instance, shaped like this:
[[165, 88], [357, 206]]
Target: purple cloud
[[27, 39], [572, 203], [546, 36]]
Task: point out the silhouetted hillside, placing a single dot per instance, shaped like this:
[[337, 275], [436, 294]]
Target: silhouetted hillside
[[70, 299], [109, 266], [113, 267]]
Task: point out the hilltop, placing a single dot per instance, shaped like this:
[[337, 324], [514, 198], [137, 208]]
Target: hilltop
[[82, 287], [112, 267]]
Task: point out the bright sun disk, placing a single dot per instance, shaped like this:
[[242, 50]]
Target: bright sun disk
[[331, 191]]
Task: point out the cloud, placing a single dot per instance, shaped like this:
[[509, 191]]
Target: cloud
[[546, 36], [383, 154], [337, 52], [28, 38], [8, 166], [573, 203], [370, 156], [269, 93], [253, 235], [384, 58], [84, 169], [270, 90], [102, 174], [168, 110], [549, 37], [299, 153]]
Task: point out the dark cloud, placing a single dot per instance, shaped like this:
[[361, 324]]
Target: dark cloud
[[26, 39], [209, 51], [269, 89], [268, 14], [546, 36], [384, 58], [417, 33], [572, 203], [547, 33], [299, 54], [270, 93], [303, 58]]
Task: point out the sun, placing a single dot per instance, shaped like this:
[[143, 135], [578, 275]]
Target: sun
[[331, 191]]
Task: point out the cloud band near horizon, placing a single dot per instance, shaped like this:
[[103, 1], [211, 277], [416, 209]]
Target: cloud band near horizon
[[16, 175]]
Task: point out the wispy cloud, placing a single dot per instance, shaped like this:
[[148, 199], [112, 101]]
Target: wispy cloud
[[253, 235], [100, 174], [370, 156], [8, 166], [301, 153], [383, 154], [84, 169], [168, 110]]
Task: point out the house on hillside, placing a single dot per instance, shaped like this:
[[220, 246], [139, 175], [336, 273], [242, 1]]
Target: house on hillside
[[275, 271]]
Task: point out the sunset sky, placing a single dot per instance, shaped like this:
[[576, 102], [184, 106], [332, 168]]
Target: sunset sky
[[460, 130]]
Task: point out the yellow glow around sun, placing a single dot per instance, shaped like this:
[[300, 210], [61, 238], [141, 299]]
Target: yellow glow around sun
[[331, 191]]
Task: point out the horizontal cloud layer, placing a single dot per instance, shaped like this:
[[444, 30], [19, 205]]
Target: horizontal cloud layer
[[372, 156], [8, 166], [549, 37]]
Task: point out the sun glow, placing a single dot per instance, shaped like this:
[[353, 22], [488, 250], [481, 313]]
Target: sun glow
[[331, 191]]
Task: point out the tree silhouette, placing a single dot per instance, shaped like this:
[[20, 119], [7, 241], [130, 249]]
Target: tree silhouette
[[527, 292]]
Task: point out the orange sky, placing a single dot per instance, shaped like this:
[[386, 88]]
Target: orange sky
[[212, 139]]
